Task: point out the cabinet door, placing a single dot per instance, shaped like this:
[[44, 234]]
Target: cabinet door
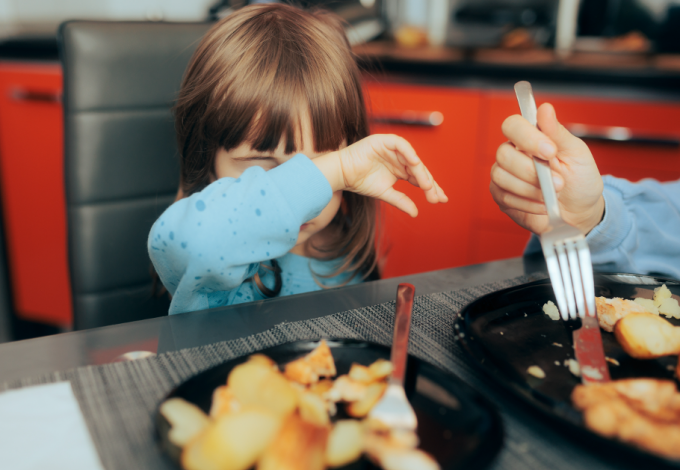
[[439, 237], [494, 234], [33, 201]]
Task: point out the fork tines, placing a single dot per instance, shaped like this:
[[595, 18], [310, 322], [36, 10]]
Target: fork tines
[[571, 274]]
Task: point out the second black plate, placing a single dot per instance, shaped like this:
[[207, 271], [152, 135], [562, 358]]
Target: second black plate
[[506, 332], [456, 425]]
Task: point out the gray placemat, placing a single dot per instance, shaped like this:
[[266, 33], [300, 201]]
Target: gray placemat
[[119, 400]]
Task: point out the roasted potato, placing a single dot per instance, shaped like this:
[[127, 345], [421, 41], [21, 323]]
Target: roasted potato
[[223, 402], [310, 368], [360, 373], [186, 420], [232, 442], [345, 443], [644, 335], [298, 446], [360, 408], [313, 409], [380, 369], [256, 383]]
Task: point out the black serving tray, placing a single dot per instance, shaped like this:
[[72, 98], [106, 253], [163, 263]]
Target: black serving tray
[[456, 425], [506, 332]]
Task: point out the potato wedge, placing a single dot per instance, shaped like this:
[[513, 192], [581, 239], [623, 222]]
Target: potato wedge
[[374, 393], [381, 369], [298, 446], [232, 442], [256, 383], [644, 335], [223, 402], [360, 373], [186, 420], [313, 409], [345, 443], [310, 368]]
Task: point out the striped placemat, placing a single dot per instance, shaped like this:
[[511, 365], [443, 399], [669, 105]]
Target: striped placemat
[[119, 400]]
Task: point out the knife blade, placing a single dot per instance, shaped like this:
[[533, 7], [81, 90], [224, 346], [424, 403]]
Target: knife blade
[[590, 352]]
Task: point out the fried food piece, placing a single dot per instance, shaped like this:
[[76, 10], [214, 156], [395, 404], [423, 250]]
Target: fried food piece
[[381, 369], [223, 402], [609, 311], [256, 383], [374, 393], [313, 409], [232, 442], [648, 304], [644, 335], [345, 443], [643, 412], [660, 294], [360, 373], [186, 420], [346, 389], [397, 451], [308, 369], [551, 310], [298, 446]]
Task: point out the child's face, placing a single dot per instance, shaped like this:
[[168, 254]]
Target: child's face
[[235, 161]]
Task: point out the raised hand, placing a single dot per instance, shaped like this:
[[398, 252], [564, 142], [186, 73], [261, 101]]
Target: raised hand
[[373, 165], [514, 183]]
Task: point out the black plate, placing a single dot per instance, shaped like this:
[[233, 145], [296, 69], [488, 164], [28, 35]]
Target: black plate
[[507, 332], [456, 425]]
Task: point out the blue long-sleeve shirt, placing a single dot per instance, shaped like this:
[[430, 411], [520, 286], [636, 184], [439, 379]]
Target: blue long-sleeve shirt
[[640, 231], [204, 247]]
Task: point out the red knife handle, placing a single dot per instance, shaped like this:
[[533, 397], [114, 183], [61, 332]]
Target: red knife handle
[[402, 328]]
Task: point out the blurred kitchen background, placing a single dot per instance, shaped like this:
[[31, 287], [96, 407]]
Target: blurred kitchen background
[[438, 72]]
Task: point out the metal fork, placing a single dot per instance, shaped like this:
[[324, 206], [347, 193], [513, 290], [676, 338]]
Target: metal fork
[[393, 410], [565, 248]]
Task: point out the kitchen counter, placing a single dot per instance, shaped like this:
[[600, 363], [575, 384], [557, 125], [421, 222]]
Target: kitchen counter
[[636, 75]]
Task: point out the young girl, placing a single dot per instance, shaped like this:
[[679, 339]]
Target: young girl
[[278, 175]]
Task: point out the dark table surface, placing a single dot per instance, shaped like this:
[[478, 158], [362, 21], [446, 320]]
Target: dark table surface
[[64, 351]]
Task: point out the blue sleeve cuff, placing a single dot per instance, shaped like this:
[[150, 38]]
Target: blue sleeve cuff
[[615, 226], [306, 200]]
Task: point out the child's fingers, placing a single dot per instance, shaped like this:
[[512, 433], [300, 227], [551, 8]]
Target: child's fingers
[[399, 200], [402, 148]]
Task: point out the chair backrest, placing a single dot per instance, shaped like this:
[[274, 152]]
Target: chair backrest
[[121, 161]]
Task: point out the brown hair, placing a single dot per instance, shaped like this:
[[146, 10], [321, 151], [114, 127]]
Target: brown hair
[[246, 83]]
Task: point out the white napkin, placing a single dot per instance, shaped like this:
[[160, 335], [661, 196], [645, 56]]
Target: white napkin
[[42, 427]]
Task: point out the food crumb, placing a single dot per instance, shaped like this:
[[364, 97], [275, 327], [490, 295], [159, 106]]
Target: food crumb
[[612, 361], [574, 367], [557, 344], [525, 314], [557, 363], [591, 372], [671, 368], [551, 310], [501, 332], [536, 372]]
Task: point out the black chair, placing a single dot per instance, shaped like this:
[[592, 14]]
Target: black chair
[[121, 161]]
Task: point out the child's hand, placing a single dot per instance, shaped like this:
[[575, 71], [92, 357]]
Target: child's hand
[[514, 183], [372, 166]]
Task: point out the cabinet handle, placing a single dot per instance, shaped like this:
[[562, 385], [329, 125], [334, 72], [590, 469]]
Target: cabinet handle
[[622, 135], [410, 118], [35, 96]]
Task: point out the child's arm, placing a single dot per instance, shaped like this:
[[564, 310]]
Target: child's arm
[[215, 239]]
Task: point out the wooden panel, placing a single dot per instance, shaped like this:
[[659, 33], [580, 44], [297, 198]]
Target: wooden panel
[[33, 202], [439, 237]]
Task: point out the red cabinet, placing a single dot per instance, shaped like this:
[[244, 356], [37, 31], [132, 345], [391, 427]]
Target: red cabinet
[[32, 188], [439, 237]]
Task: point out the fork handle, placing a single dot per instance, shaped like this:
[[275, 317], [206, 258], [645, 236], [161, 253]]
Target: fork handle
[[527, 104], [402, 329]]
